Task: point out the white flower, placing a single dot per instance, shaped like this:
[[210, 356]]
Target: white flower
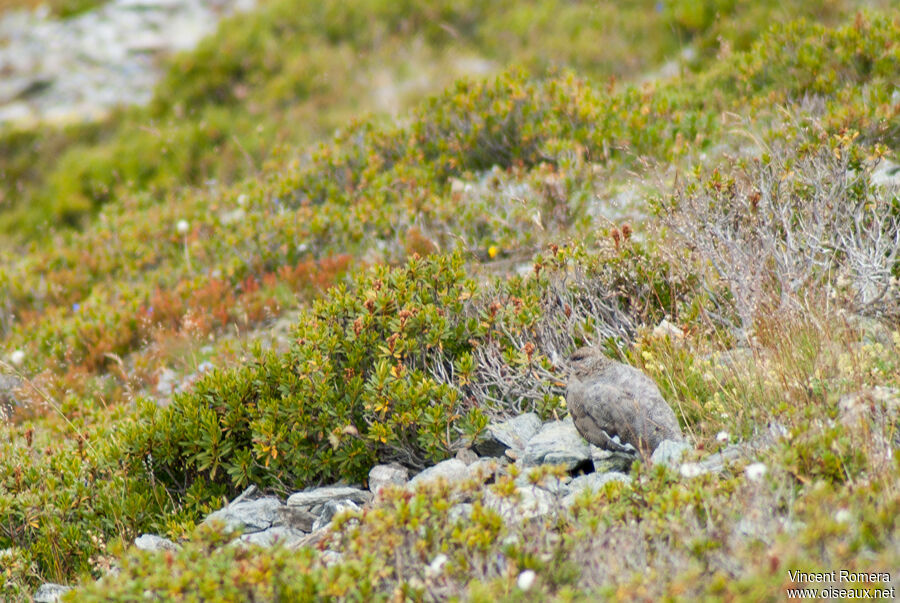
[[182, 227], [437, 565], [755, 471], [526, 579], [17, 358], [242, 199], [842, 516], [691, 469], [723, 436]]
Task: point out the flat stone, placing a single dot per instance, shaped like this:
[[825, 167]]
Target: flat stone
[[249, 515], [513, 433], [488, 467], [152, 542], [595, 481], [557, 443], [606, 461], [715, 463], [330, 509], [452, 470], [886, 174], [50, 593], [530, 502], [297, 518], [669, 453], [549, 484], [320, 496], [283, 535], [467, 455], [383, 475]]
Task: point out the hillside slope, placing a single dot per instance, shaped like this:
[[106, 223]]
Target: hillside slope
[[730, 227]]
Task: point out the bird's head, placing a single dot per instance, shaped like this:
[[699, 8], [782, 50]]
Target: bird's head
[[586, 360]]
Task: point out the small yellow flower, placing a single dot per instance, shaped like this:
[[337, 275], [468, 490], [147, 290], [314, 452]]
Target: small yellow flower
[[493, 251]]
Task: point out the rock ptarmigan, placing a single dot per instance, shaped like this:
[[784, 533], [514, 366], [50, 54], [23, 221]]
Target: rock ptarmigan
[[607, 399]]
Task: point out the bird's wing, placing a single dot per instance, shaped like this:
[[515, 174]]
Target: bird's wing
[[605, 411]]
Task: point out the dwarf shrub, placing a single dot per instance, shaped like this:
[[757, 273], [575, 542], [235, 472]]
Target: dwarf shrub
[[352, 391]]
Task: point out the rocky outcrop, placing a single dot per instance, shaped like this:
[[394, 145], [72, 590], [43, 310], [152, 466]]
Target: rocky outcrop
[[557, 443], [512, 434], [153, 543], [384, 475], [79, 68], [304, 518], [50, 593]]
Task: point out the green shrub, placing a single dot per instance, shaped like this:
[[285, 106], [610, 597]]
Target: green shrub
[[64, 496], [354, 390]]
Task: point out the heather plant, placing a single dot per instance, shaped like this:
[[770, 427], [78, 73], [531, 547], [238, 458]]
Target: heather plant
[[801, 222], [346, 197]]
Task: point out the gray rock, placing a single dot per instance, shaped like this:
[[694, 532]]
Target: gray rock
[[715, 463], [871, 330], [382, 475], [330, 509], [321, 496], [50, 593], [876, 402], [669, 453], [513, 433], [8, 401], [152, 542], [297, 518], [527, 503], [452, 470], [78, 68], [488, 468], [460, 511], [283, 535], [249, 515], [557, 443], [595, 481], [608, 399], [606, 461], [549, 484], [467, 455], [886, 174]]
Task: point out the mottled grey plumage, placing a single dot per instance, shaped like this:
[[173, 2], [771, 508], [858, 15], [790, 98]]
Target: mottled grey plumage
[[607, 398]]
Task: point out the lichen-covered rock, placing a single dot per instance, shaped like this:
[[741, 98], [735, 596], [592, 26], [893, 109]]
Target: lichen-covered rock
[[595, 481], [557, 443], [513, 434], [527, 503], [452, 470], [282, 535], [332, 508], [669, 453], [606, 461], [319, 496], [152, 542], [50, 593], [382, 475], [249, 515]]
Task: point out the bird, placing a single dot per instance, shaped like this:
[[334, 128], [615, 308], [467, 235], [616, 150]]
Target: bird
[[607, 398]]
